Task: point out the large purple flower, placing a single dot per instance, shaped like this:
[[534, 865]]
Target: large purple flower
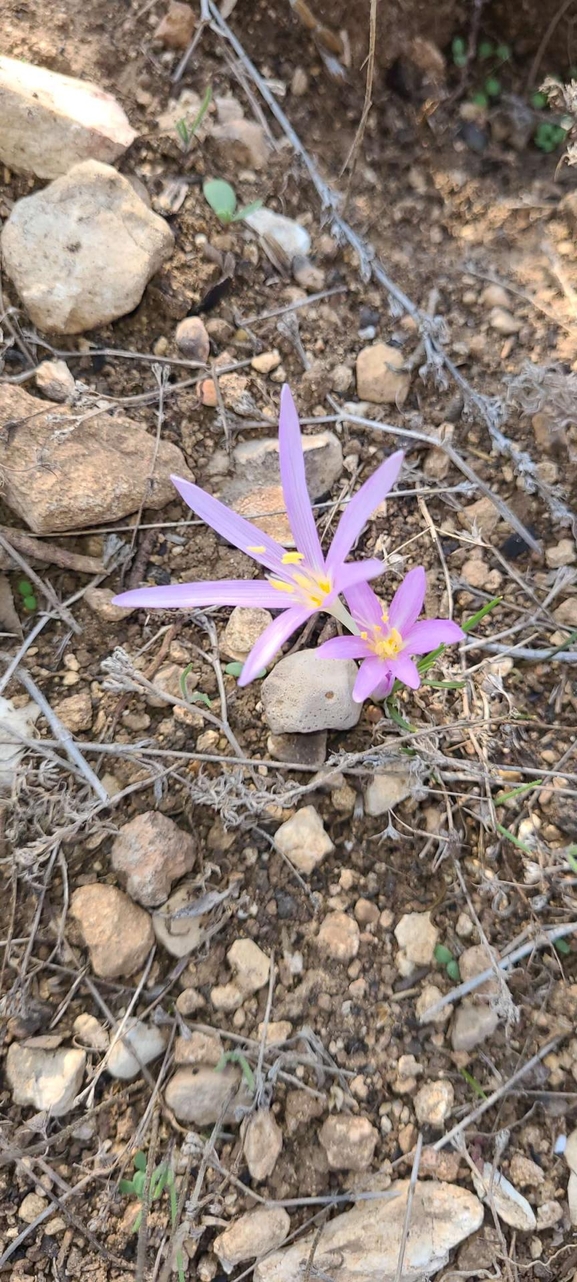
[[298, 583], [387, 641]]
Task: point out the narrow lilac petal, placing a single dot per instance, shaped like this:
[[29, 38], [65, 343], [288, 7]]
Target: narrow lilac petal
[[294, 482], [344, 648], [235, 529], [371, 673], [407, 602], [192, 596], [364, 605], [406, 671], [384, 687], [271, 641], [357, 572], [430, 633], [362, 506]]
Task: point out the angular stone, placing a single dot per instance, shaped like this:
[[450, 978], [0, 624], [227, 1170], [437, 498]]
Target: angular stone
[[75, 712], [46, 1080], [305, 693], [257, 464], [249, 965], [139, 1045], [242, 142], [149, 853], [339, 937], [433, 1103], [176, 28], [290, 237], [299, 749], [92, 471], [303, 839], [199, 1048], [416, 936], [21, 720], [243, 630], [262, 1143], [380, 377], [387, 789], [252, 1236], [201, 1096], [472, 1025], [349, 1142], [180, 935], [117, 933], [82, 250], [51, 122], [54, 379]]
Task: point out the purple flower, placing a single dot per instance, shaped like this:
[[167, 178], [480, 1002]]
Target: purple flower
[[299, 583], [387, 641]]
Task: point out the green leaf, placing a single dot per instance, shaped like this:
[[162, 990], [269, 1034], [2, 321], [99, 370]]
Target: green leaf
[[562, 947], [504, 832], [139, 1161], [201, 113], [397, 718], [443, 955], [25, 587], [539, 101], [492, 87], [480, 99], [485, 50], [30, 603], [137, 1223], [503, 52], [221, 198], [444, 685], [237, 1057], [453, 970], [481, 614], [246, 210], [571, 857], [504, 797], [138, 1182], [458, 45], [158, 1181], [473, 1083], [182, 131], [126, 1186], [234, 669], [198, 696]]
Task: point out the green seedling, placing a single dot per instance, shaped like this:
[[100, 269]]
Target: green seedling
[[444, 957], [492, 87], [235, 670], [187, 131], [473, 1083], [571, 857], [503, 52], [562, 947], [539, 100], [548, 137], [480, 99], [26, 591], [161, 1179], [194, 696], [237, 1057], [222, 200], [459, 51], [523, 788], [486, 50]]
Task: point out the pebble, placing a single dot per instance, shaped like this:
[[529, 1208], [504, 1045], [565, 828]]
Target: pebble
[[48, 1080], [570, 1151], [179, 935], [197, 1096], [366, 912], [433, 1103], [503, 322], [149, 853], [244, 628], [226, 997], [117, 933], [472, 1025], [495, 296], [408, 1069], [299, 82], [175, 29], [99, 600], [277, 1031], [309, 277], [366, 1240], [198, 1048], [189, 1001], [388, 789], [266, 507], [426, 1000], [567, 612], [287, 234], [416, 936], [81, 251], [252, 1236], [192, 339], [473, 961], [299, 749], [572, 1197], [349, 1142], [242, 143], [145, 1040], [509, 1204], [380, 378], [249, 965], [75, 712], [90, 1032], [32, 1206], [563, 553], [481, 515], [50, 121], [524, 1172], [265, 362], [303, 839], [262, 1143], [21, 720], [305, 693], [256, 465], [90, 475], [341, 379], [54, 379], [548, 1215], [339, 937]]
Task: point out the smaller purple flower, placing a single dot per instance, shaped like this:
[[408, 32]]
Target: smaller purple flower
[[387, 641]]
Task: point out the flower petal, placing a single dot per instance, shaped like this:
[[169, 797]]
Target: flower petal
[[430, 633], [271, 641], [343, 648], [352, 572], [407, 602], [362, 506], [294, 482], [191, 596], [403, 669], [235, 529], [383, 690], [371, 673], [364, 605]]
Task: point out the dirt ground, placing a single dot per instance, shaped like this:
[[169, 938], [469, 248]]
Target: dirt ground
[[484, 844]]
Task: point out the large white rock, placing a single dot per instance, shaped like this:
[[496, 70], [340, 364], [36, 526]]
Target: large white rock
[[305, 693], [139, 1044], [81, 251], [252, 1235], [363, 1244], [51, 122], [48, 1080]]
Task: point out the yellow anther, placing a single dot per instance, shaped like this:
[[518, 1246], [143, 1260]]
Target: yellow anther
[[281, 585], [364, 636], [389, 647], [259, 548], [292, 558]]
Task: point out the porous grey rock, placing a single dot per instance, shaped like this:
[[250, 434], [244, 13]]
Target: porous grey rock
[[48, 1080], [252, 1236], [198, 1096], [303, 839], [305, 693], [139, 1044], [117, 933], [472, 1025], [433, 1103], [149, 853]]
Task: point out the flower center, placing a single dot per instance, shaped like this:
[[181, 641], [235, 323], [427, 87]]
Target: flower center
[[310, 587], [385, 647]]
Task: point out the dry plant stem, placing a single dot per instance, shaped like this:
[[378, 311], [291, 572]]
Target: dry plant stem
[[497, 1095], [142, 1244], [545, 940], [160, 373], [555, 20], [352, 158], [410, 1197], [45, 589], [187, 55], [50, 553], [17, 1242]]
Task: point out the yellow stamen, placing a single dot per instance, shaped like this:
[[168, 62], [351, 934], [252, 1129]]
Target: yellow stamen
[[259, 548], [389, 647], [281, 585], [364, 636], [292, 558]]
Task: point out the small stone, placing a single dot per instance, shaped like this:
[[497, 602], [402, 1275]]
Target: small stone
[[265, 362], [90, 1032], [303, 839], [366, 912], [199, 1048], [548, 1215], [226, 997], [54, 379], [117, 933], [251, 1236], [425, 1002], [433, 1103], [149, 853], [498, 1193], [47, 1080], [473, 961], [54, 1226], [387, 789], [416, 936], [139, 1044], [349, 1142], [567, 612], [481, 515], [176, 28], [257, 465], [299, 83], [436, 464], [525, 1173], [339, 937], [266, 508], [242, 143], [277, 1031], [495, 296], [208, 394], [472, 1025], [75, 712], [32, 1206], [180, 935], [21, 720], [262, 1143], [343, 799], [50, 121], [503, 322], [408, 1069], [197, 1096], [191, 336], [475, 572], [287, 234], [189, 1001], [309, 277], [564, 553], [464, 927], [380, 377], [341, 379], [299, 749], [250, 966], [572, 1197], [244, 628], [99, 600], [305, 693]]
